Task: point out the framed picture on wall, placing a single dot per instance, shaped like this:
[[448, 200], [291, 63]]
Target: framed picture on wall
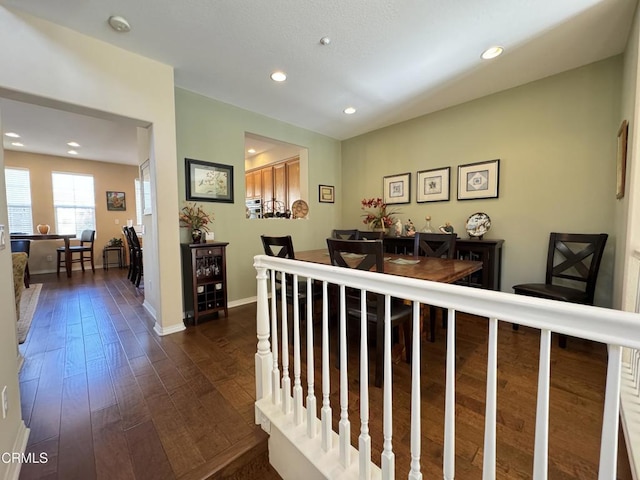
[[326, 194], [145, 187], [478, 180], [396, 188], [621, 161], [433, 185], [208, 182], [116, 201]]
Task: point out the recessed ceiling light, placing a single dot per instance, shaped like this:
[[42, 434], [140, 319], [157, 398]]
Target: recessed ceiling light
[[17, 144], [12, 135], [251, 150], [349, 110], [73, 144], [72, 152], [278, 76], [325, 41], [119, 24], [492, 52]]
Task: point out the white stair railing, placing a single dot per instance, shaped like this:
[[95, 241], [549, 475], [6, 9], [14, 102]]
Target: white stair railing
[[331, 454]]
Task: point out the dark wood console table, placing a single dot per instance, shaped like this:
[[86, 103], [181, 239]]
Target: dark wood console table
[[489, 252]]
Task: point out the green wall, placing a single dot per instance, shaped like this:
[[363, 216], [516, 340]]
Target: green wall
[[214, 131], [556, 141]]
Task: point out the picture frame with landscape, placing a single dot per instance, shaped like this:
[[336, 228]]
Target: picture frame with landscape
[[208, 181], [116, 201]]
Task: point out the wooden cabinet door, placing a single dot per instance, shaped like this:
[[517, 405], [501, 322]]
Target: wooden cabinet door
[[267, 188], [257, 183], [249, 185], [293, 182], [280, 186]]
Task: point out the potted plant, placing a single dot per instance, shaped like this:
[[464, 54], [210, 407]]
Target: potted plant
[[380, 218], [196, 219]]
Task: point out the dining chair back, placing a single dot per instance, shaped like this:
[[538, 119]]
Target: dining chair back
[[23, 246], [369, 255], [370, 235], [345, 234], [573, 262], [136, 256], [84, 251]]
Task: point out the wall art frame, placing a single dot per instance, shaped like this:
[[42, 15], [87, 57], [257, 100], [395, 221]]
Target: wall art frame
[[326, 194], [116, 201], [145, 187], [433, 185], [621, 160], [479, 180], [396, 188], [208, 181]]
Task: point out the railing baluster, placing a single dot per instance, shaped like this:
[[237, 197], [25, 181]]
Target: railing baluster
[[414, 473], [275, 375], [541, 449], [286, 380], [311, 396], [489, 458], [609, 438], [388, 460], [364, 442], [344, 425], [449, 466], [326, 384], [263, 357], [297, 386]]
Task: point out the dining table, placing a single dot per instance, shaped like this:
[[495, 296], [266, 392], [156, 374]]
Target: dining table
[[423, 268], [51, 236]]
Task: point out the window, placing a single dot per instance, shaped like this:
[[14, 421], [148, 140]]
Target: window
[[74, 202], [19, 200], [138, 202]]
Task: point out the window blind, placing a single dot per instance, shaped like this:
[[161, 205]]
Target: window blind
[[73, 202], [19, 200]]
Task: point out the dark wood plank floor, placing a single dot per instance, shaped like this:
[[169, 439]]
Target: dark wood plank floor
[[105, 397]]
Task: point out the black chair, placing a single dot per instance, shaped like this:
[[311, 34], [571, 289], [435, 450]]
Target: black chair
[[345, 234], [372, 259], [283, 247], [85, 251], [369, 235], [436, 245], [23, 246], [573, 261], [136, 266]]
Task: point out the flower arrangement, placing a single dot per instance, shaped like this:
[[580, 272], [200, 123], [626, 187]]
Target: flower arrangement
[[194, 217], [380, 218]]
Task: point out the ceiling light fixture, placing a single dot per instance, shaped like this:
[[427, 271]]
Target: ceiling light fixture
[[492, 52], [72, 152], [325, 41], [349, 110], [119, 24], [278, 76], [17, 144], [12, 135], [251, 151], [73, 144]]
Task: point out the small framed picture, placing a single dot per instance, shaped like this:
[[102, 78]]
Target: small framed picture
[[621, 163], [478, 180], [326, 194], [208, 182], [433, 185], [116, 201], [397, 188]]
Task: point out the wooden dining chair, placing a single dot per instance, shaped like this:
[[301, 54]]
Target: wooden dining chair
[[135, 256], [84, 251], [369, 235], [283, 247], [372, 259], [345, 234], [573, 262], [436, 245], [25, 247]]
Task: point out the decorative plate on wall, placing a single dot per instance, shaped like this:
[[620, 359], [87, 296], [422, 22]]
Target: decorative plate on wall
[[478, 224], [300, 209]]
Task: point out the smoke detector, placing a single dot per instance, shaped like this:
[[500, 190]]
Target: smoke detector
[[119, 24]]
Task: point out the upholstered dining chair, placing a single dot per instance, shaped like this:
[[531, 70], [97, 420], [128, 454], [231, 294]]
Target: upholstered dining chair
[[345, 234], [573, 262], [283, 247], [372, 258], [437, 245], [84, 251]]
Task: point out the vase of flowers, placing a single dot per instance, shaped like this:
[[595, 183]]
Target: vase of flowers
[[192, 216], [377, 216]]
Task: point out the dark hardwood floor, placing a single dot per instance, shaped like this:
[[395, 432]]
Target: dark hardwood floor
[[105, 397]]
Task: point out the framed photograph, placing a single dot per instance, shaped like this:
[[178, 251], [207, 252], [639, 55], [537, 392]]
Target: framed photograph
[[478, 180], [397, 189], [208, 182], [326, 194], [621, 164], [145, 187], [433, 185], [116, 201]]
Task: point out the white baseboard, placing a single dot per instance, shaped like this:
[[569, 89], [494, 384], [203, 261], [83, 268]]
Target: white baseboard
[[242, 301], [19, 446], [162, 331]]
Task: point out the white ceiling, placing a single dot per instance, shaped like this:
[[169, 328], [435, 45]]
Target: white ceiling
[[391, 59]]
